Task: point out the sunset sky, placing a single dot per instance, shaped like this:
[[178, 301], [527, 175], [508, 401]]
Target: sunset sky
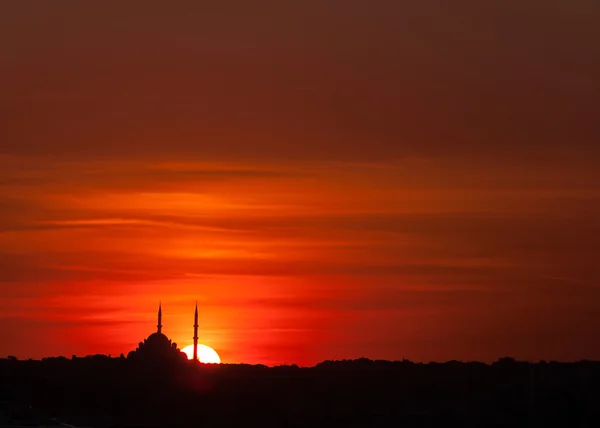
[[328, 179]]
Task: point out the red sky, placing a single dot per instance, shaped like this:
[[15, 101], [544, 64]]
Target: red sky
[[328, 179]]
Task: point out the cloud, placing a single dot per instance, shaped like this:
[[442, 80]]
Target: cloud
[[101, 223]]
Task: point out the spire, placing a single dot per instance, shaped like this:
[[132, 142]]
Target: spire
[[195, 358], [159, 325]]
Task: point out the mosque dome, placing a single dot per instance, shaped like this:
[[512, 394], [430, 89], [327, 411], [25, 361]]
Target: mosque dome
[[158, 341], [157, 337]]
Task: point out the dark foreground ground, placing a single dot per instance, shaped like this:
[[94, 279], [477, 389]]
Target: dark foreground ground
[[102, 392]]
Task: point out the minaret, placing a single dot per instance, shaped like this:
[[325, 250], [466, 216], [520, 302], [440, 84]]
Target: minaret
[[196, 334], [159, 325]]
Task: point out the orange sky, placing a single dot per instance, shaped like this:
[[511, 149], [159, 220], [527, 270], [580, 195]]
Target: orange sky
[[327, 181]]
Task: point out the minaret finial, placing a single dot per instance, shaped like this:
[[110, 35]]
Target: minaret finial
[[195, 358], [159, 325]]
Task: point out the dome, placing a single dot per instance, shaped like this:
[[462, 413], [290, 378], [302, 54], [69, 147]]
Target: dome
[[157, 337], [157, 341]]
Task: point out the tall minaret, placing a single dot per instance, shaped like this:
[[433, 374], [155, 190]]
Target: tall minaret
[[196, 334], [159, 325]]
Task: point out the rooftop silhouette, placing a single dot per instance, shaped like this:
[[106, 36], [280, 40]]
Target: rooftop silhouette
[[158, 348]]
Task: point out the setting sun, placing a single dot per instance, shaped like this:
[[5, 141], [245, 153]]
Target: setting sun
[[206, 354]]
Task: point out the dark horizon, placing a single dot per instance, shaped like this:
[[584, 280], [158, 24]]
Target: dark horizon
[[124, 393], [290, 364]]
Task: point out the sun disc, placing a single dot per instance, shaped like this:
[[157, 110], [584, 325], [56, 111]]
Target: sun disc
[[206, 354]]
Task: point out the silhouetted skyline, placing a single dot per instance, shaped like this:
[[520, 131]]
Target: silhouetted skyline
[[98, 391]]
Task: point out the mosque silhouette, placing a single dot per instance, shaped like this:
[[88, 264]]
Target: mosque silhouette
[[158, 347]]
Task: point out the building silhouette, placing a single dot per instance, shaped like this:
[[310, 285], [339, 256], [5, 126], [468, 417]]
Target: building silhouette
[[158, 348]]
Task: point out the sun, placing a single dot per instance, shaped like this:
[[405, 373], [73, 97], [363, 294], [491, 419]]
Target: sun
[[206, 354]]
